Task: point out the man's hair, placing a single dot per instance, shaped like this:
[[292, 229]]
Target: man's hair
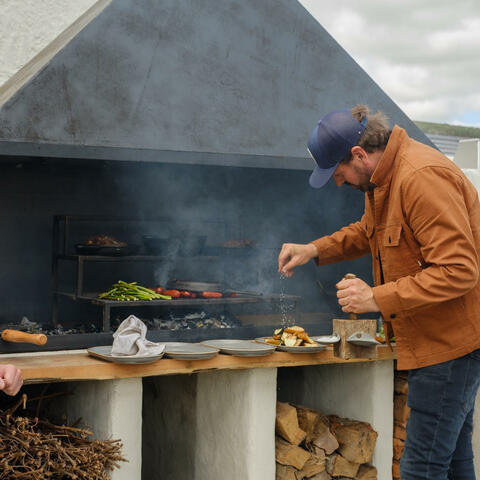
[[376, 134]]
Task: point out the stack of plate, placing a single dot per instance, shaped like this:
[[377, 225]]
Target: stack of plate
[[242, 348], [189, 351]]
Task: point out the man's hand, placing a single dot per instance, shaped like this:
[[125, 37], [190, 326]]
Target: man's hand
[[294, 255], [10, 379], [356, 296]]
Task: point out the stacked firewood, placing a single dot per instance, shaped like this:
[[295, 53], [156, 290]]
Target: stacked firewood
[[310, 445], [401, 412], [35, 449]]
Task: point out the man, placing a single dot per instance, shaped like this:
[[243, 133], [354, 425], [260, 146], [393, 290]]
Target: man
[[10, 379], [422, 226]]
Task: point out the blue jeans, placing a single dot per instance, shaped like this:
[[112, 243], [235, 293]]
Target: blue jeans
[[439, 430]]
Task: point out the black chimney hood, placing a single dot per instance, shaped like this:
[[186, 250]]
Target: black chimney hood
[[237, 82]]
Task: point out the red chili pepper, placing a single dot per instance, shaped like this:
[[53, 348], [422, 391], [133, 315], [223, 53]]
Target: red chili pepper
[[158, 290], [172, 293], [212, 295], [185, 294]]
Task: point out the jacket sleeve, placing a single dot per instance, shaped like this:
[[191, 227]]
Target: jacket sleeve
[[435, 206], [348, 243]]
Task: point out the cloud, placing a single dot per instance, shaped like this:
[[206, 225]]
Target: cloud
[[424, 55]]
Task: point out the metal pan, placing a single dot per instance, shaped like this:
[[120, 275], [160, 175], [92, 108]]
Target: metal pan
[[208, 287], [196, 286]]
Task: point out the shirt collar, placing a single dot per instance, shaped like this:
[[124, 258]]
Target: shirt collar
[[384, 169]]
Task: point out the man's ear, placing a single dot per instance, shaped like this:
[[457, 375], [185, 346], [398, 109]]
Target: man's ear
[[360, 153]]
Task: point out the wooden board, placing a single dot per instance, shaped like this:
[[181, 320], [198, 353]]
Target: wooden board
[[346, 327], [78, 365]]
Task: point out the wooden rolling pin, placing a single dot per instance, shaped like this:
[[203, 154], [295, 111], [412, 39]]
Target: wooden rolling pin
[[22, 337]]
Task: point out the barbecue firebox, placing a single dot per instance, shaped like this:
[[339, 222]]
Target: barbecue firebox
[[195, 127], [64, 229], [195, 317]]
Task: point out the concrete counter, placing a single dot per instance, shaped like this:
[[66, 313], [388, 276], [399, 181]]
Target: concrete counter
[[212, 419]]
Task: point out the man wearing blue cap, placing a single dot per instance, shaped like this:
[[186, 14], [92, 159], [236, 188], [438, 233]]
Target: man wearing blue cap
[[421, 225]]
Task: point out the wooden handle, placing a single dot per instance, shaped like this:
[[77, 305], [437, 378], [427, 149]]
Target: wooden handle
[[350, 276], [21, 337]]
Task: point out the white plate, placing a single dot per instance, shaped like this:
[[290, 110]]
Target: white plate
[[326, 339], [242, 348], [284, 348], [189, 351], [105, 353]]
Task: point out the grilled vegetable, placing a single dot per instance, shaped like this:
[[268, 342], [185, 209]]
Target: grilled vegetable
[[289, 340], [291, 337], [123, 291], [172, 293], [272, 341], [212, 295]]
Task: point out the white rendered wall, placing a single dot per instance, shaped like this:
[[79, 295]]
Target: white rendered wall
[[236, 425], [476, 436], [113, 410], [474, 176], [361, 391], [28, 26], [210, 426]]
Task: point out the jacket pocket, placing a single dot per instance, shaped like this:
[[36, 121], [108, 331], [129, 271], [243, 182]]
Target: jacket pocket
[[397, 259], [392, 236]]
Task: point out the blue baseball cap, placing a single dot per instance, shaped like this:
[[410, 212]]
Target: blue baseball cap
[[330, 142]]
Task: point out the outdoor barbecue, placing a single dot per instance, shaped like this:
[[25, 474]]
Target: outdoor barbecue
[[156, 158]]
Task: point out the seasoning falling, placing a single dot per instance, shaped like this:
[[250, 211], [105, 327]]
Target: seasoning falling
[[286, 307]]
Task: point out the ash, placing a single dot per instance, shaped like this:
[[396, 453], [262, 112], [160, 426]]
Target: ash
[[191, 321], [171, 321], [28, 326]]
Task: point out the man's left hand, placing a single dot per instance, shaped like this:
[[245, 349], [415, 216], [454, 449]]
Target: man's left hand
[[356, 296]]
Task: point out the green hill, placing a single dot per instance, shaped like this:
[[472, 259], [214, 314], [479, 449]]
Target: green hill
[[446, 129]]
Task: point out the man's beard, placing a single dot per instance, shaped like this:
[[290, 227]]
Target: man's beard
[[365, 185]]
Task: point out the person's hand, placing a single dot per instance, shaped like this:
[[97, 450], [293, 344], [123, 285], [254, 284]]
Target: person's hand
[[293, 255], [10, 379], [356, 296]]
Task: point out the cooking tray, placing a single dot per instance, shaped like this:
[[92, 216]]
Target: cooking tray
[[108, 250]]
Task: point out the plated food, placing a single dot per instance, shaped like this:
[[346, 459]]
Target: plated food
[[291, 337]]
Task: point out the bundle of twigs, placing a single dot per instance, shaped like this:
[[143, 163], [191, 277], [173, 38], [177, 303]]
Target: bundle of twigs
[[37, 449]]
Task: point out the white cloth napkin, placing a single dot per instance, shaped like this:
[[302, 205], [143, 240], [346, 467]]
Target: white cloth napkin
[[129, 339]]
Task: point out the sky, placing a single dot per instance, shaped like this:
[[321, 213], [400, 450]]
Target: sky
[[425, 54]]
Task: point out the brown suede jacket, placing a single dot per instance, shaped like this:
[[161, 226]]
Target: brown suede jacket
[[422, 226]]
